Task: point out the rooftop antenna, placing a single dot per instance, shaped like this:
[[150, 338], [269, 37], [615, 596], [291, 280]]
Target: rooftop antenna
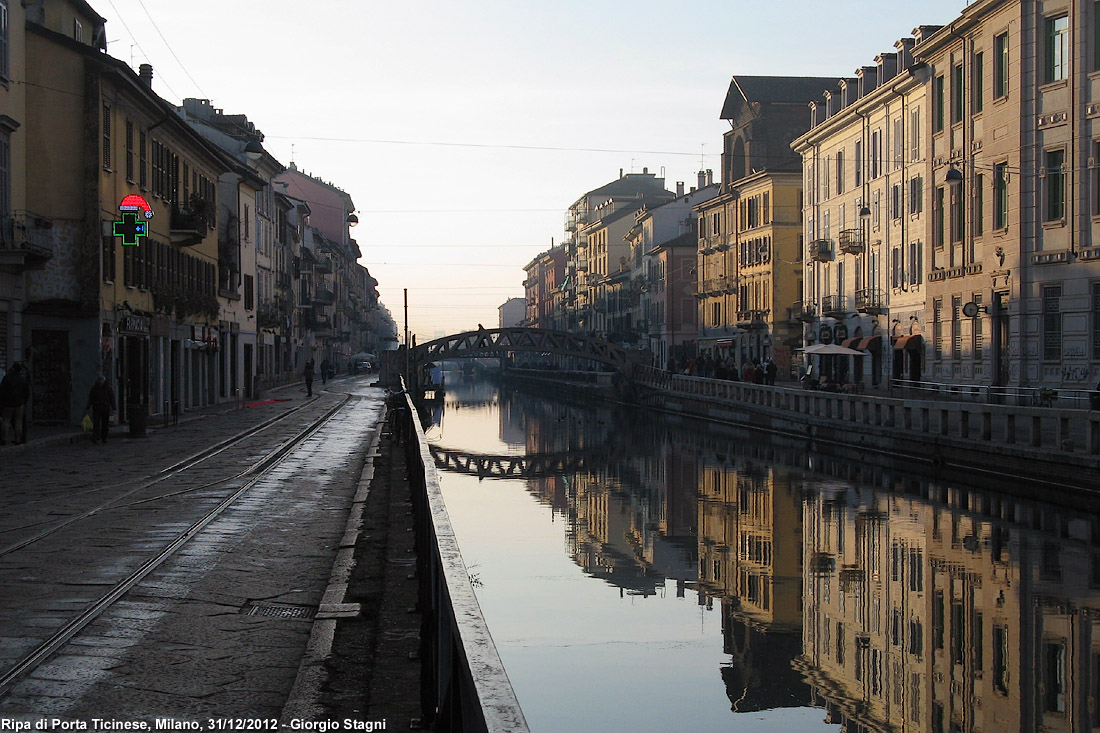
[[632, 165], [292, 152], [702, 156]]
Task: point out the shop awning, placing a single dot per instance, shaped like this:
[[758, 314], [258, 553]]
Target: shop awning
[[850, 343], [871, 343], [912, 342], [724, 342]]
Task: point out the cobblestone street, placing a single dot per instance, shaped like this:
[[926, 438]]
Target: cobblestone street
[[182, 643]]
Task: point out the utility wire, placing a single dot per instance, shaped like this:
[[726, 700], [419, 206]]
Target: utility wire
[[134, 38], [169, 47], [479, 145]]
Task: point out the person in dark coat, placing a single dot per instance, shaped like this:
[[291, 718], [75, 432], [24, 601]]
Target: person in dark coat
[[770, 370], [101, 403], [14, 392], [326, 371], [307, 373], [757, 373]]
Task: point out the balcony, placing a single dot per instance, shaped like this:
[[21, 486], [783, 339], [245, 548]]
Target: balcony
[[752, 319], [821, 250], [323, 265], [188, 227], [321, 296], [835, 306], [26, 242], [322, 327], [871, 301], [802, 311], [305, 300], [851, 241], [582, 265]]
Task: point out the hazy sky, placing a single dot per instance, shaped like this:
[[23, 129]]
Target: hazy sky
[[464, 130]]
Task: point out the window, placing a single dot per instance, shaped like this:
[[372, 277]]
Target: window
[[839, 172], [1000, 196], [979, 205], [937, 328], [895, 201], [1055, 185], [895, 267], [859, 162], [898, 144], [109, 259], [958, 638], [78, 31], [958, 221], [143, 179], [916, 194], [1096, 321], [914, 135], [130, 151], [1052, 322], [1000, 66], [916, 570], [248, 292], [107, 136], [1056, 58], [937, 104], [825, 179], [876, 154], [937, 620], [977, 83], [1054, 677], [956, 327], [915, 263], [1000, 659], [5, 67], [937, 218], [876, 214], [977, 342], [957, 93]]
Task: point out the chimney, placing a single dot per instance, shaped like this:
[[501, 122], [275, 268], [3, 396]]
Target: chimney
[[679, 189], [645, 171], [620, 173], [145, 73], [702, 179], [710, 177]]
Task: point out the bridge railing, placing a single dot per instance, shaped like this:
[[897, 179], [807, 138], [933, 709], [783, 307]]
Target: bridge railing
[[465, 685]]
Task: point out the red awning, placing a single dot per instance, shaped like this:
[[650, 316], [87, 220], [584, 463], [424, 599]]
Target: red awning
[[850, 343], [870, 343], [912, 342]]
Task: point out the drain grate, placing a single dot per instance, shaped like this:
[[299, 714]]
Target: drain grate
[[277, 611]]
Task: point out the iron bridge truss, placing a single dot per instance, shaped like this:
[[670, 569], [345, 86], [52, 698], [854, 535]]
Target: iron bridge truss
[[496, 342]]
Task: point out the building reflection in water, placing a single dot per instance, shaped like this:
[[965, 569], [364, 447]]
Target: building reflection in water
[[895, 602]]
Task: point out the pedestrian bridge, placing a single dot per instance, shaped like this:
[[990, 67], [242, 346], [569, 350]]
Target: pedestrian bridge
[[537, 465], [496, 342]]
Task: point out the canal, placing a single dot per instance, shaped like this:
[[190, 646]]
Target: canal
[[646, 572]]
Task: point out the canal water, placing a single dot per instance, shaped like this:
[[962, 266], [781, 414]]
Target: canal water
[[642, 572]]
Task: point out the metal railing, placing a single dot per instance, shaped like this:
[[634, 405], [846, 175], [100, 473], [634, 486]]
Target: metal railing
[[834, 305], [996, 395], [466, 687], [1042, 428]]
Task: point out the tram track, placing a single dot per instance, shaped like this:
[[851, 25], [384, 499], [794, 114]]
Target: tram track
[[253, 473], [152, 480]]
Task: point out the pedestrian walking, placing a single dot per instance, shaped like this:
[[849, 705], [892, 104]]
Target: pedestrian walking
[[749, 373], [758, 373], [14, 392], [101, 403], [770, 370], [326, 368], [307, 373]]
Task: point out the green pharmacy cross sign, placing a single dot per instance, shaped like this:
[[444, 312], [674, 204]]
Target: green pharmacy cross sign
[[130, 228]]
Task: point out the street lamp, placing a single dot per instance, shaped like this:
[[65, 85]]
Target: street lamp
[[953, 176]]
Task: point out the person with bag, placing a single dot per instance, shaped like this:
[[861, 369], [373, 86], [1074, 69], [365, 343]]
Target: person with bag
[[101, 403], [14, 393], [307, 373]]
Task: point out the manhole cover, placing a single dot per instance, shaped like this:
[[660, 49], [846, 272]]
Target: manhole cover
[[277, 611]]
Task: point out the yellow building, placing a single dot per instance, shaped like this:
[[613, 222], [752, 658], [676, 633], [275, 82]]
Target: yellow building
[[145, 314]]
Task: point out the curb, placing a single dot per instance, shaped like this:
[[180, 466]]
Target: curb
[[303, 701]]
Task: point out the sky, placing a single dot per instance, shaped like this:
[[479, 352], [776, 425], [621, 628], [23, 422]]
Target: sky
[[464, 131]]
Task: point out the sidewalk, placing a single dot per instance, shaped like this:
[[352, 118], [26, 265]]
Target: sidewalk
[[49, 435]]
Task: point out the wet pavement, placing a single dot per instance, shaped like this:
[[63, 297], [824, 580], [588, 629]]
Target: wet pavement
[[220, 628]]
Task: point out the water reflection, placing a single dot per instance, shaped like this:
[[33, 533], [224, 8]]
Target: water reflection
[[892, 601]]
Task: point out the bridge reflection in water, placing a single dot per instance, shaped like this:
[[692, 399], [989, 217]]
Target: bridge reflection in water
[[848, 595]]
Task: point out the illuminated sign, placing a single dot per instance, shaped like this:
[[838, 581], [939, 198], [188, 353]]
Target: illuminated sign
[[130, 228]]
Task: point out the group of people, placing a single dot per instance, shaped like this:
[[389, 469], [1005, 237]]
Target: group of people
[[755, 371]]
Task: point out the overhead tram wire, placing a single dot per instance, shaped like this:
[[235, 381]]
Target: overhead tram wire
[[134, 38], [169, 47]]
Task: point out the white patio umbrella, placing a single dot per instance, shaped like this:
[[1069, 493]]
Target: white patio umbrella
[[832, 349]]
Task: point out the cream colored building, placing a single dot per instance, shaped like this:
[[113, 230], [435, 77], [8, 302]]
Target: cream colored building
[[1014, 103], [865, 211]]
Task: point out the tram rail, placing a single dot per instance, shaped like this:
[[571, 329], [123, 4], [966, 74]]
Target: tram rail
[[254, 473]]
